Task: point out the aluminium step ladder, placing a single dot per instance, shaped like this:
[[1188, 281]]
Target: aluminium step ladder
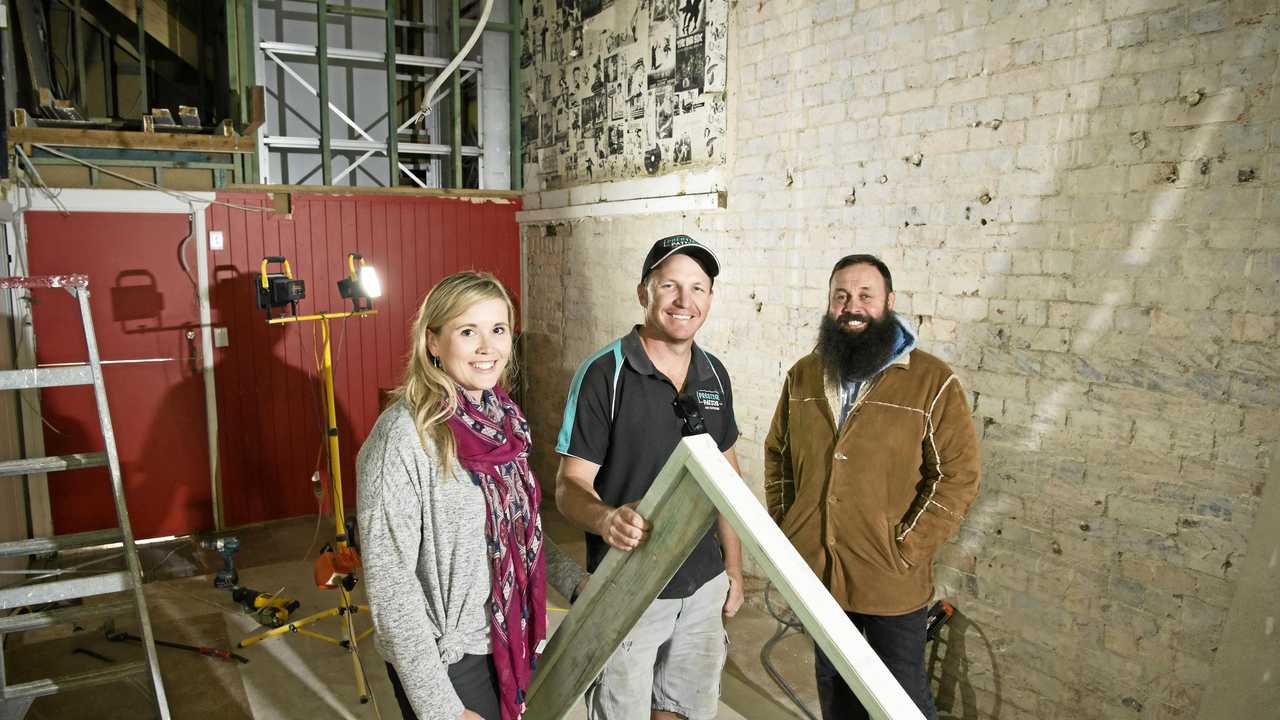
[[16, 699]]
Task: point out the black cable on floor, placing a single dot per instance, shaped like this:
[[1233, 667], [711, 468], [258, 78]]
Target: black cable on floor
[[785, 627]]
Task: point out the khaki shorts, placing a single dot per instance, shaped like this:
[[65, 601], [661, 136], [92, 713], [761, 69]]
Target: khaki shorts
[[671, 660]]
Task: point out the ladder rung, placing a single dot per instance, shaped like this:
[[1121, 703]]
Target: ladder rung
[[53, 463], [40, 546], [55, 590], [63, 616], [74, 681], [45, 377]]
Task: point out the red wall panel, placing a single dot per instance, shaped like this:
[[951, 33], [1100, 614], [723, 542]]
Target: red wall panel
[[270, 397], [144, 305]]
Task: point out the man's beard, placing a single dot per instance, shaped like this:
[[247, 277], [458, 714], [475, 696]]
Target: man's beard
[[857, 355]]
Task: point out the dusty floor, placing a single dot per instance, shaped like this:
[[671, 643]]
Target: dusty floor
[[302, 677]]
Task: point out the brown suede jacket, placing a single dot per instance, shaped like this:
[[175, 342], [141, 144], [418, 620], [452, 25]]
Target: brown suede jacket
[[868, 506]]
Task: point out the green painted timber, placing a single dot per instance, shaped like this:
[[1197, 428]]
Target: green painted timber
[[621, 589], [393, 101], [322, 59], [455, 34], [517, 141], [352, 11], [506, 27]]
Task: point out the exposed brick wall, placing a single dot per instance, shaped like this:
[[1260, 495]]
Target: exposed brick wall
[[1080, 202]]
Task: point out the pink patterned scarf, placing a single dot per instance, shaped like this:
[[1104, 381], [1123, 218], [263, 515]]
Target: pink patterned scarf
[[496, 453]]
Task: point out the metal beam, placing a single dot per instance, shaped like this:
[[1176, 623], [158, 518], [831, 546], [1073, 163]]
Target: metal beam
[[309, 143], [52, 463], [517, 140], [58, 543], [72, 681], [322, 59], [455, 36], [24, 378], [348, 10], [55, 590], [393, 94], [505, 27], [369, 56]]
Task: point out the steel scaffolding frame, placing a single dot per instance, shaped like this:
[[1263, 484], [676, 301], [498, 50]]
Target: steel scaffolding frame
[[244, 56]]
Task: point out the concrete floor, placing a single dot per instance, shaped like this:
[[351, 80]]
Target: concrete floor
[[302, 677]]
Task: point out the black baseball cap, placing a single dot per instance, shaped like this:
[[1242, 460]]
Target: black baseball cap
[[668, 246]]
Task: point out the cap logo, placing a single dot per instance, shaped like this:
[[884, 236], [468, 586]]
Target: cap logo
[[676, 241]]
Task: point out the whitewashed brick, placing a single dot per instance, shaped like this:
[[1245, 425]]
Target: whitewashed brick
[[1095, 292], [1220, 107], [1208, 18], [1032, 312], [1122, 8], [910, 100], [1167, 25], [1127, 33]]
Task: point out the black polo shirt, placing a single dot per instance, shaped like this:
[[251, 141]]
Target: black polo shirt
[[619, 416]]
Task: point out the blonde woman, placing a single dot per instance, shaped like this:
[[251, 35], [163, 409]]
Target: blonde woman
[[455, 559]]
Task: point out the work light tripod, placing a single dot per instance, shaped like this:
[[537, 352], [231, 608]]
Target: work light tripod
[[347, 609]]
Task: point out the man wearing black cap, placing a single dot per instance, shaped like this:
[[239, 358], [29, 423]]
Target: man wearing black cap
[[629, 404]]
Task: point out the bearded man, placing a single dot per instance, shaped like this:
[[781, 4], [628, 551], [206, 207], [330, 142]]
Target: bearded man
[[870, 465]]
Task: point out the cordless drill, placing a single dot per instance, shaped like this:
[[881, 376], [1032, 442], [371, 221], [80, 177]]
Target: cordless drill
[[227, 546]]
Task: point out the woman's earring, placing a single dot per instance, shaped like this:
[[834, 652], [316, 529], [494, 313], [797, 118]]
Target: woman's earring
[[435, 361]]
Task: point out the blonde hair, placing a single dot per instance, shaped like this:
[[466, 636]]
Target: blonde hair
[[428, 391]]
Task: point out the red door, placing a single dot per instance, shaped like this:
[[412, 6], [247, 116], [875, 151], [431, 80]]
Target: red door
[[144, 306]]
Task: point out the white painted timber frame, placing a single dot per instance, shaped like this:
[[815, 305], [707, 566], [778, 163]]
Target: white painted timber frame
[[694, 484], [677, 192], [118, 201]]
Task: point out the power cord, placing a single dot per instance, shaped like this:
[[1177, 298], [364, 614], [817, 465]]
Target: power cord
[[786, 625]]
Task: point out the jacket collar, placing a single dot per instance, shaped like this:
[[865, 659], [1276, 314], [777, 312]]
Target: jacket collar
[[906, 341], [633, 350]]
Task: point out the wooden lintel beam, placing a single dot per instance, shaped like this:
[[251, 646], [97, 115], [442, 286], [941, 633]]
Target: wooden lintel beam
[[257, 109], [165, 23], [497, 196], [120, 139]]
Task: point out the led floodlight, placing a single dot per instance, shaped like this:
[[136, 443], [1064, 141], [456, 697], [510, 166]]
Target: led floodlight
[[361, 284], [278, 289]]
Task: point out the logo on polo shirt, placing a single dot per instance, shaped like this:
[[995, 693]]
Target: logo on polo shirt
[[709, 399]]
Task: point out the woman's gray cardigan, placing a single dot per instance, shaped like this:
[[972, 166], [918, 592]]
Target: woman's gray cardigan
[[425, 567]]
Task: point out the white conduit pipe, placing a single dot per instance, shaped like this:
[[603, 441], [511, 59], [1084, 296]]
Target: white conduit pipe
[[425, 110]]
